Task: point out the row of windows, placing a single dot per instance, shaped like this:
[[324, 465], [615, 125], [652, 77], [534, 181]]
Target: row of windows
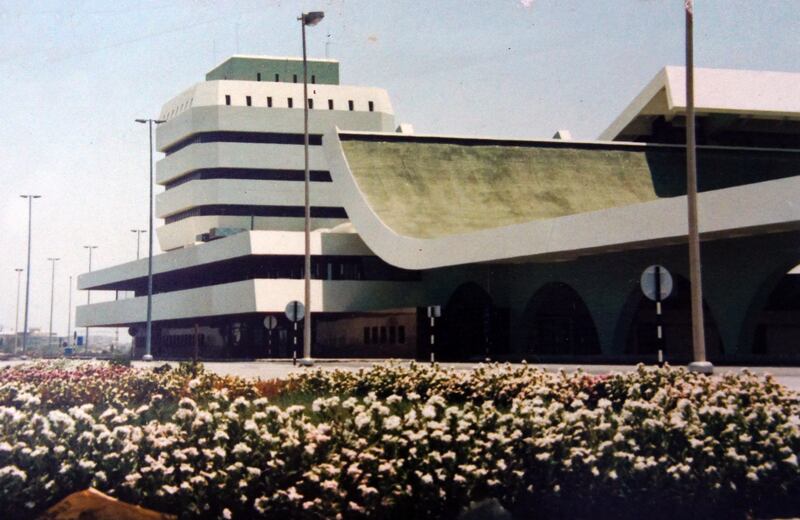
[[351, 105], [243, 210], [294, 77], [261, 174], [384, 335], [243, 137]]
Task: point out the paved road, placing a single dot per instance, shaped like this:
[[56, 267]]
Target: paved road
[[788, 376]]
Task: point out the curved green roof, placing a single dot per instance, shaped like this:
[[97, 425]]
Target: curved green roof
[[426, 190]]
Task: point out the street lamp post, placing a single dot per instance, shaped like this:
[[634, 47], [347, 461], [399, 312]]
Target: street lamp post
[[52, 294], [88, 295], [149, 342], [138, 239], [16, 320], [311, 18], [28, 272], [700, 363]]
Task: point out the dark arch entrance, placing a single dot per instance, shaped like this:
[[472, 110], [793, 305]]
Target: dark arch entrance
[[472, 327], [642, 338], [777, 330], [559, 323]]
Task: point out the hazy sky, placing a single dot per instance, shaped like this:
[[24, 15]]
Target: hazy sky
[[74, 75]]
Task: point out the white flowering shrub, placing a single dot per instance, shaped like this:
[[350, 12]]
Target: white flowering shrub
[[404, 442]]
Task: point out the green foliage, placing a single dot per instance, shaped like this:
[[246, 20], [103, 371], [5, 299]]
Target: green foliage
[[401, 441]]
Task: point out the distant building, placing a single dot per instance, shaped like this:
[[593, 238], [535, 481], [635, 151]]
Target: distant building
[[533, 248]]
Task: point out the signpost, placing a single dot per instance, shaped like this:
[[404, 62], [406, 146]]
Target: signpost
[[270, 322], [434, 311], [295, 312], [657, 285]]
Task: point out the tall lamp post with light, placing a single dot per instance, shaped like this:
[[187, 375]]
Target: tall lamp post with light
[[52, 296], [312, 18], [148, 356], [138, 239], [88, 294], [28, 271]]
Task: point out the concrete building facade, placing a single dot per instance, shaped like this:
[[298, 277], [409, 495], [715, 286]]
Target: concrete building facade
[[533, 248]]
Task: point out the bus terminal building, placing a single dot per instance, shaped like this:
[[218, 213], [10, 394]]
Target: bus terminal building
[[534, 249]]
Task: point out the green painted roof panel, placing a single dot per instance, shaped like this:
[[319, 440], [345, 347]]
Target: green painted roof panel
[[432, 189]]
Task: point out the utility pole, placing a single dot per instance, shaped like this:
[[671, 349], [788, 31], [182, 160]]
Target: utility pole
[[700, 363], [312, 18], [16, 320], [148, 356], [28, 273], [88, 295], [69, 313], [52, 296]]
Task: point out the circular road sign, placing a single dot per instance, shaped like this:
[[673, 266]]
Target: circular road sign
[[656, 282], [270, 322], [295, 311]]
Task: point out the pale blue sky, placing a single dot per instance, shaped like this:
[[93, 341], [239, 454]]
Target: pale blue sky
[[74, 75]]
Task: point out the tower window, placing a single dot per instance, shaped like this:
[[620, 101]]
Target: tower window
[[249, 101], [227, 99], [351, 105], [310, 103], [371, 106], [269, 101], [366, 335], [375, 334], [277, 77], [392, 334], [401, 334], [294, 78], [313, 78], [290, 102], [383, 334], [330, 104], [258, 76]]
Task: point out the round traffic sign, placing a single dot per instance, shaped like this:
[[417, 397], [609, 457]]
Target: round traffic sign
[[270, 322], [295, 311], [656, 282]]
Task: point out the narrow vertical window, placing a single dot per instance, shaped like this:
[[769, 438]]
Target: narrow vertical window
[[227, 99], [330, 104], [294, 78], [269, 101], [290, 102], [351, 105], [277, 77], [371, 106], [383, 335], [375, 334], [401, 334], [258, 76], [310, 103], [366, 335], [313, 78], [249, 101], [392, 334]]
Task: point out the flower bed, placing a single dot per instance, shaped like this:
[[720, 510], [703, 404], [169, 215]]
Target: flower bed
[[400, 441]]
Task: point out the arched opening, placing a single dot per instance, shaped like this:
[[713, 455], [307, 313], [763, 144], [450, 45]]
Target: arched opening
[[559, 323], [676, 320], [473, 328], [777, 330]]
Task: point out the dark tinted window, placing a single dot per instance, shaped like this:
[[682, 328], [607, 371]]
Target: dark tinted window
[[330, 104], [269, 101], [351, 105], [371, 106], [290, 102], [227, 99], [249, 101]]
